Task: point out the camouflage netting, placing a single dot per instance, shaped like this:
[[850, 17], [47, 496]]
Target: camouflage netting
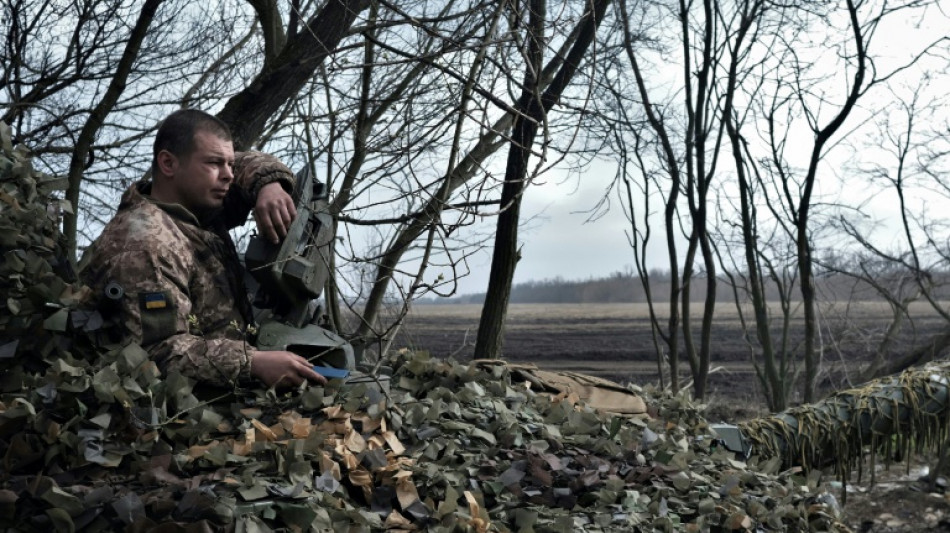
[[888, 417], [98, 440]]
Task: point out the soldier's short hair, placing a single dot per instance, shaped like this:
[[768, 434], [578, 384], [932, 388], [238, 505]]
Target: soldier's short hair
[[177, 133]]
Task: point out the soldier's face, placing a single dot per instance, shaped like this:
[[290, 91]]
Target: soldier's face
[[202, 179]]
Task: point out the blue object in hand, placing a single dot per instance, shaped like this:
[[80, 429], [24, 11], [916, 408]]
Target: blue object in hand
[[331, 373]]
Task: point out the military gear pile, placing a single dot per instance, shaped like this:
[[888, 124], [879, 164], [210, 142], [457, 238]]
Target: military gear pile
[[98, 439]]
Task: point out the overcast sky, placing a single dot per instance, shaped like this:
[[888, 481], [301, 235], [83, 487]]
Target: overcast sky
[[556, 238], [558, 242]]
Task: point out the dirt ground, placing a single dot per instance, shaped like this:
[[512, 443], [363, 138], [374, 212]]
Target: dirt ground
[[614, 341]]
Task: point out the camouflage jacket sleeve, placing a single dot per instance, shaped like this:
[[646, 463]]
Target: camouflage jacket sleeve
[[252, 171], [158, 314]]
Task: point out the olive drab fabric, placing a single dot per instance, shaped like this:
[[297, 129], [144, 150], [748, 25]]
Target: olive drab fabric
[[179, 279]]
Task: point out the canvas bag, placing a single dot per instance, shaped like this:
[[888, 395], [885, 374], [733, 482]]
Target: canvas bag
[[600, 394]]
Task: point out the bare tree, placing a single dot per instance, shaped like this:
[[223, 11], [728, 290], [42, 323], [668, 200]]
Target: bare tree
[[774, 370], [278, 91], [908, 168], [469, 177], [506, 253], [800, 92], [824, 104], [533, 107], [743, 70], [686, 130]]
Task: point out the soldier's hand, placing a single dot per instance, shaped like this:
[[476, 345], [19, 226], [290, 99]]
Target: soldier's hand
[[279, 368], [274, 212]]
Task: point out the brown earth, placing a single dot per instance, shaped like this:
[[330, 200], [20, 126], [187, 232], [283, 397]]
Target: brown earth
[[614, 341]]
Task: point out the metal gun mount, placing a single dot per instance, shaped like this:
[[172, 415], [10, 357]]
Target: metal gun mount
[[291, 275]]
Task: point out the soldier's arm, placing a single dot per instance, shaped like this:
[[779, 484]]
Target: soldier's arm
[[157, 313], [253, 171]]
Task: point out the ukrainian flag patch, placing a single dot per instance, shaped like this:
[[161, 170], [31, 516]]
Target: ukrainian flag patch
[[157, 316], [154, 300]]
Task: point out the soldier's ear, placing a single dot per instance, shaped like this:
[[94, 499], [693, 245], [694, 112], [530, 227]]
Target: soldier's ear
[[167, 163]]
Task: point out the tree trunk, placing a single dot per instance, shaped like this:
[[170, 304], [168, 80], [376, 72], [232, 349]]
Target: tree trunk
[[774, 383], [247, 112], [811, 315], [506, 254], [689, 347], [698, 185], [655, 118], [802, 220], [534, 109], [490, 142]]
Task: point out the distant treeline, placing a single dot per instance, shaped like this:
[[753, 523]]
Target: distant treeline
[[619, 287], [625, 287]]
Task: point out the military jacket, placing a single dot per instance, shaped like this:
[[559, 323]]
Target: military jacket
[[180, 278]]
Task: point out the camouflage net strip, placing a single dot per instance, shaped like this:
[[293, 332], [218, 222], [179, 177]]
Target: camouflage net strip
[[889, 416]]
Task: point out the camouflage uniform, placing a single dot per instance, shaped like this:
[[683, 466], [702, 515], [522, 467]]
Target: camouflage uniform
[[184, 299]]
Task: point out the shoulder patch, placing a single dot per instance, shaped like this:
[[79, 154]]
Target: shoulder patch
[[158, 316], [153, 300]]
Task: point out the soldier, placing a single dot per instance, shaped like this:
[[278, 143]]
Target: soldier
[[170, 264]]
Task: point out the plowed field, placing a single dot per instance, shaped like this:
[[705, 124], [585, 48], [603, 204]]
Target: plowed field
[[615, 341]]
